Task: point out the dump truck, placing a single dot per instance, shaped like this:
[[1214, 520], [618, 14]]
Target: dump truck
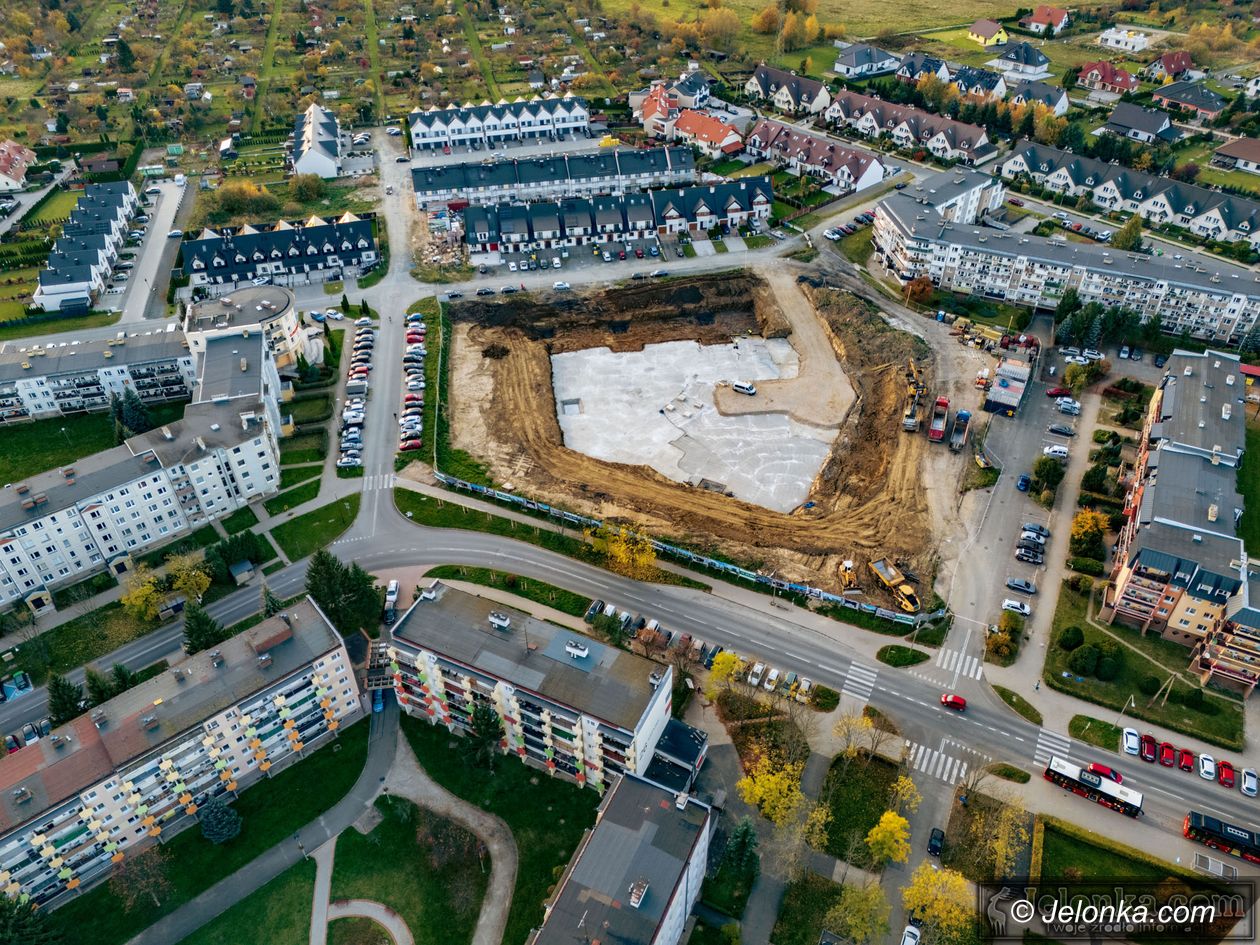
[[892, 578], [940, 419], [958, 433]]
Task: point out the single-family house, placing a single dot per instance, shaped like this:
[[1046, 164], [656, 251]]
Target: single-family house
[[1022, 61], [815, 155], [788, 92], [709, 135], [1192, 97], [987, 33], [1053, 97], [1170, 67], [979, 83], [1252, 89], [860, 60], [1102, 76], [125, 95], [1130, 41], [914, 66], [1148, 125], [691, 90], [1241, 154], [14, 160], [1046, 19]]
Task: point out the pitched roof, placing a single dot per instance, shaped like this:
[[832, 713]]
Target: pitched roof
[[14, 160], [971, 78], [1024, 54], [862, 54], [1050, 16], [316, 129], [922, 125], [810, 150], [800, 88], [1109, 74], [1174, 63], [1041, 92], [917, 64], [1192, 95], [985, 28], [704, 127], [1247, 149], [1152, 121]]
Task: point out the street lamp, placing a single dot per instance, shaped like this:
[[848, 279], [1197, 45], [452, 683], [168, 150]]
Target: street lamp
[[1128, 705], [67, 436]]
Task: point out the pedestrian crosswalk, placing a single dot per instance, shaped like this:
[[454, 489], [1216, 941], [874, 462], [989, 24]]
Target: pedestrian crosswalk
[[379, 481], [1051, 743], [935, 764], [951, 660], [860, 681]]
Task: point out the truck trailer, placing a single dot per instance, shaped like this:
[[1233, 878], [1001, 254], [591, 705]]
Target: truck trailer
[[892, 578], [958, 433], [940, 419]]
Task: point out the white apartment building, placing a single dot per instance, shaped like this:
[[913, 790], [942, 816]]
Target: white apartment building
[[268, 309], [87, 247], [317, 143], [478, 125], [138, 767]]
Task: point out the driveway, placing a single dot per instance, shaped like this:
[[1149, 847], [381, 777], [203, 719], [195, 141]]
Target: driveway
[[154, 257]]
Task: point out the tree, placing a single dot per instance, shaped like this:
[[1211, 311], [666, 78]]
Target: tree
[[1089, 528], [727, 667], [307, 187], [1048, 472], [348, 596], [768, 20], [135, 415], [364, 309], [905, 795], [941, 898], [485, 734], [920, 288], [64, 699], [774, 789], [143, 876], [794, 839], [187, 574], [121, 679], [889, 840], [719, 28], [851, 733], [345, 304], [24, 923], [740, 855], [270, 603], [628, 552], [998, 829], [860, 914], [1068, 306], [1129, 236], [792, 32], [219, 823], [98, 686], [1075, 377], [126, 58], [201, 631], [141, 594]]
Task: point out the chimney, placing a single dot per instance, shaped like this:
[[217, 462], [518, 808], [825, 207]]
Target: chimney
[[638, 889], [1225, 411], [680, 800], [244, 365], [1213, 511]]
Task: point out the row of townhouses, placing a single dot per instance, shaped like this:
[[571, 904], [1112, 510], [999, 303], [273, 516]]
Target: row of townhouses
[[139, 767], [910, 127], [59, 526], [317, 250], [1179, 567], [580, 221], [83, 257], [787, 91], [317, 144], [1208, 214], [505, 121], [918, 233], [619, 171], [816, 155], [1017, 86]]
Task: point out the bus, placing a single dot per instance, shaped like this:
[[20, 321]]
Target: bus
[[1236, 841], [1097, 789]]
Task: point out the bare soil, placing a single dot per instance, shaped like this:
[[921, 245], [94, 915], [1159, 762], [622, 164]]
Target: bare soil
[[870, 499]]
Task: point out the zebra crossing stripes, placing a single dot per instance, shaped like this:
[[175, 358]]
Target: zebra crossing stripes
[[378, 481], [969, 666], [859, 682], [1051, 743], [936, 764]]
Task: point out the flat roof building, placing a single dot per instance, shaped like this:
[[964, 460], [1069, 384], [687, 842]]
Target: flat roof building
[[269, 308]]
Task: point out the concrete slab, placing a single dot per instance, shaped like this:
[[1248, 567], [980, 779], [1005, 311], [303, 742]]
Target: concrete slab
[[656, 408], [703, 248]]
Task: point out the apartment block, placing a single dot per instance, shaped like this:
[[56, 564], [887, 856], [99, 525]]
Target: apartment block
[[84, 254], [479, 125], [569, 704], [270, 310], [638, 872], [1180, 569], [619, 171], [913, 237], [140, 766]]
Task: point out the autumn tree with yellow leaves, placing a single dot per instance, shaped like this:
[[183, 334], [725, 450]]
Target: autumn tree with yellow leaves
[[628, 552], [142, 594], [860, 914], [889, 840], [941, 898], [188, 575], [774, 789]]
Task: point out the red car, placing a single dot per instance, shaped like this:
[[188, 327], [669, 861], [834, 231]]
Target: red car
[[1148, 748], [1105, 772], [621, 254], [1058, 392], [1185, 759], [408, 446], [951, 701], [1225, 774], [638, 252], [1167, 754]]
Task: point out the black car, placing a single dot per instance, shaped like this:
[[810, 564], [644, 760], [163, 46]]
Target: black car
[[1060, 429], [485, 291], [1033, 546], [454, 295], [1030, 557], [1160, 360], [936, 840]]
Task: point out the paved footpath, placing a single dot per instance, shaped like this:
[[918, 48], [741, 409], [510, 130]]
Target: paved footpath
[[323, 858], [382, 915]]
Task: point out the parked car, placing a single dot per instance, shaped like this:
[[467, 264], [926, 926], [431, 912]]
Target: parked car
[[1016, 607], [1207, 767], [485, 290], [1185, 759], [1130, 741], [1060, 429], [1035, 529], [1028, 556], [1224, 772], [1023, 482], [1167, 754], [175, 234], [756, 674], [1248, 783], [936, 840], [1021, 585], [1148, 748], [1059, 392]]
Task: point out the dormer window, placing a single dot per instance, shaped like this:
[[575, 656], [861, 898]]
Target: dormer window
[[294, 251]]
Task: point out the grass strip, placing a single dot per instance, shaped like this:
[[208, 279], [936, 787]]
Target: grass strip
[[896, 655], [293, 498], [575, 605], [239, 521], [1019, 704], [1094, 732], [317, 528], [279, 913]]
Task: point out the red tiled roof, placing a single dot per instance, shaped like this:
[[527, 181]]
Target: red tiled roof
[[1109, 74], [1051, 16], [703, 127], [14, 159], [1175, 63]]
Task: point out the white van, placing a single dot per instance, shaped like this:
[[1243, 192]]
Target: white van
[[743, 387], [391, 593], [1055, 452]]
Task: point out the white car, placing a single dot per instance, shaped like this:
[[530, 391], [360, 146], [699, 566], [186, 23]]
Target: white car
[[393, 132], [363, 322], [1076, 359], [175, 234], [1131, 741], [1207, 767], [511, 267], [1090, 354], [261, 280], [832, 235], [349, 462], [754, 678], [561, 286], [1055, 452], [415, 385], [1247, 784], [334, 314], [153, 191], [1016, 607]]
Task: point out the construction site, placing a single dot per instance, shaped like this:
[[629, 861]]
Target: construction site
[[632, 404]]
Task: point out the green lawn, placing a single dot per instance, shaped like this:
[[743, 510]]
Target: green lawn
[[422, 866], [859, 792], [304, 448], [1095, 731], [272, 810], [1064, 850], [856, 247], [317, 528], [292, 475], [278, 914], [1019, 704], [539, 592], [31, 448], [805, 905], [294, 497], [897, 655], [758, 241], [241, 520], [203, 537], [58, 207], [356, 932], [81, 640], [727, 891], [547, 816], [311, 409]]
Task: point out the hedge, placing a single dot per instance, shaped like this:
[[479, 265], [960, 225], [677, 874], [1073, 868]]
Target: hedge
[[1088, 500], [826, 699], [1091, 566], [1072, 831]]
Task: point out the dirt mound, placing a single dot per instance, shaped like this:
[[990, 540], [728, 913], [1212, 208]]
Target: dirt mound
[[867, 502]]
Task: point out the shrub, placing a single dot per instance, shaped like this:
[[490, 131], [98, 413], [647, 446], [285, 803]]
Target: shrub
[[826, 699], [1149, 685], [1084, 660], [1193, 698], [1071, 638], [1086, 566], [1108, 668]]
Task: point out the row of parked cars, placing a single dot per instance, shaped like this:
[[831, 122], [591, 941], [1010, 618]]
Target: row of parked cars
[[846, 229], [31, 733], [352, 416], [411, 415], [772, 680], [1151, 751]]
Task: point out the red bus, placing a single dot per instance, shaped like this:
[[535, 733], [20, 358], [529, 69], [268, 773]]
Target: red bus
[[1097, 789], [1236, 841]]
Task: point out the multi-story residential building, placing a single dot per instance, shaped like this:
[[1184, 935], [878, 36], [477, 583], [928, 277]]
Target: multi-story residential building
[[1053, 97], [860, 60], [619, 171], [787, 91], [1205, 213], [814, 154], [978, 83], [299, 253], [317, 143], [987, 33], [915, 66], [1022, 61], [1213, 300], [579, 221], [71, 377], [1102, 76], [60, 526], [1045, 18], [271, 309], [14, 160], [1180, 568], [1131, 41], [140, 766], [479, 125], [570, 704], [1242, 154], [1192, 97], [636, 875], [1148, 125], [85, 252], [910, 128]]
